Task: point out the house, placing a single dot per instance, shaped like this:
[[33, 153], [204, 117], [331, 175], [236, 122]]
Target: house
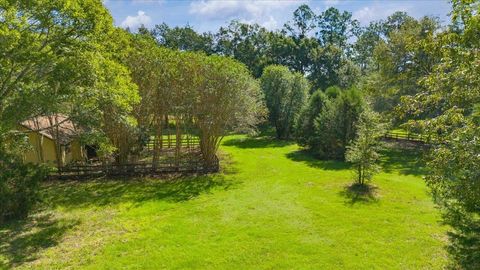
[[54, 140]]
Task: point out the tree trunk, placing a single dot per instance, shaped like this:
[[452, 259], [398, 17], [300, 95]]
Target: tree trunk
[[178, 137], [157, 141]]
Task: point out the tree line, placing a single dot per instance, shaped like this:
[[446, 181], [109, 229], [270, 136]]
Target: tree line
[[326, 82], [416, 74]]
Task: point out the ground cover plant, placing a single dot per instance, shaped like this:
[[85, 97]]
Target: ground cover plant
[[273, 206]]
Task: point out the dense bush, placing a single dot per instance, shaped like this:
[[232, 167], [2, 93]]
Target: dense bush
[[19, 184], [285, 95], [335, 126], [329, 123], [305, 127]]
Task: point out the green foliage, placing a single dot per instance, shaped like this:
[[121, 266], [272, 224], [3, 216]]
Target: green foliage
[[285, 95], [336, 125], [336, 28], [454, 179], [211, 94], [363, 152], [62, 57], [305, 125], [304, 20], [401, 57], [333, 91], [19, 186], [331, 67], [246, 43], [183, 38], [446, 107], [227, 99]]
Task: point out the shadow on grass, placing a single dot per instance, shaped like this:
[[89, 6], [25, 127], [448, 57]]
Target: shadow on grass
[[22, 240], [309, 158], [407, 161], [101, 192], [357, 193], [464, 245], [257, 142]]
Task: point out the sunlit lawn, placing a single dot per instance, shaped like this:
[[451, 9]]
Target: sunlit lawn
[[274, 207]]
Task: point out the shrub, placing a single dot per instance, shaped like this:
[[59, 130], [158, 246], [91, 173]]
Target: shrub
[[335, 126], [305, 125], [19, 184]]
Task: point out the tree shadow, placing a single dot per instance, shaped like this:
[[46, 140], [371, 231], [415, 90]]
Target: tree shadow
[[464, 236], [228, 165], [358, 193], [307, 157], [464, 250], [406, 161], [257, 142], [22, 240], [101, 192]]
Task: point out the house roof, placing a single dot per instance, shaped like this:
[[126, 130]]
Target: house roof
[[47, 126]]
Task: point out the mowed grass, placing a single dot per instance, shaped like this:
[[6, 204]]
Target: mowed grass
[[273, 207]]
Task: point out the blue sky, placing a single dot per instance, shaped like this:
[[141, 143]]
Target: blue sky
[[209, 15]]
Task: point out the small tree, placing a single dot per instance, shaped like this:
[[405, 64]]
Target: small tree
[[363, 152]]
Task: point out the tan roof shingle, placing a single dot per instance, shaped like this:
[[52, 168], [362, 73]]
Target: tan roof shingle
[[47, 126]]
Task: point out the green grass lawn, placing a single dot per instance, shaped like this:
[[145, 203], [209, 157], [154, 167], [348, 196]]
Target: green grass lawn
[[273, 207]]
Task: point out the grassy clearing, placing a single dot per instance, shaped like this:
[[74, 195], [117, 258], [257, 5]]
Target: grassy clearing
[[274, 207]]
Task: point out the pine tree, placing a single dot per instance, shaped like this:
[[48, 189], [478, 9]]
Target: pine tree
[[363, 152]]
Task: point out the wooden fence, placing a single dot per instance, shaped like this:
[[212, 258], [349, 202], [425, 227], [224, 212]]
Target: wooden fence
[[170, 143], [135, 169], [413, 137]]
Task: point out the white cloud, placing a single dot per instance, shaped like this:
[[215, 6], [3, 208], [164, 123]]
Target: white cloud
[[263, 12], [375, 12], [147, 1], [331, 3], [134, 22], [270, 24]]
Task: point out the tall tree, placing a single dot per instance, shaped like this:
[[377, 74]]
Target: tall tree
[[183, 38], [331, 67], [56, 57], [336, 28], [60, 57], [303, 22], [403, 58], [449, 98], [285, 94], [246, 43]]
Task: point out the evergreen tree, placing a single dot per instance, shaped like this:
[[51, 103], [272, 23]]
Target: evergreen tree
[[363, 152]]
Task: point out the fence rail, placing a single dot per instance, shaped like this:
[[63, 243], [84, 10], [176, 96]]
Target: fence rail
[[135, 169], [412, 137], [165, 143]]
